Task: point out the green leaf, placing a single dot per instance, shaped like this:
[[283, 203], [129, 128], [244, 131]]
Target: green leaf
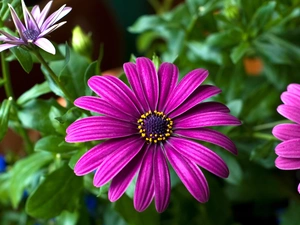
[[225, 38], [67, 59], [71, 75], [4, 188], [125, 208], [90, 71], [35, 115], [34, 92], [58, 192], [22, 172], [235, 107], [4, 116], [146, 22], [205, 52], [239, 51], [264, 154], [55, 144], [76, 157], [24, 58], [68, 218], [262, 16]]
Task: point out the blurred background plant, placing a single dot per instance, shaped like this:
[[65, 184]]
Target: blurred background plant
[[252, 52]]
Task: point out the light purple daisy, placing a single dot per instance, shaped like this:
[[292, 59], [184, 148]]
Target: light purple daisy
[[36, 27], [155, 122], [288, 150]]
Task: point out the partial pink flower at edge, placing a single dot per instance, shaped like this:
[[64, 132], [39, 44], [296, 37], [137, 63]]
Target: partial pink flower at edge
[[288, 150]]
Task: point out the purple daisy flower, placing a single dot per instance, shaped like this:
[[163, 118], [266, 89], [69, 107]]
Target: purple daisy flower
[[37, 26], [155, 122], [288, 150]]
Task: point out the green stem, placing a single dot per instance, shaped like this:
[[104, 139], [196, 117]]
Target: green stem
[[10, 95], [264, 136], [6, 77], [269, 125], [53, 75]]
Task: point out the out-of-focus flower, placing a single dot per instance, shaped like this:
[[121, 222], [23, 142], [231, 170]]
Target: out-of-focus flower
[[82, 42], [2, 164], [36, 27], [288, 150], [144, 127]]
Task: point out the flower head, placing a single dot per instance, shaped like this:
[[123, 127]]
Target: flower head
[[155, 121], [36, 27], [288, 150]]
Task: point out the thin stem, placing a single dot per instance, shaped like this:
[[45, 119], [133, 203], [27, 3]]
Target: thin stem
[[10, 95], [264, 136], [53, 75], [6, 77], [269, 125]]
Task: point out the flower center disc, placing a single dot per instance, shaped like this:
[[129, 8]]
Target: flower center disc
[[31, 35], [155, 126]]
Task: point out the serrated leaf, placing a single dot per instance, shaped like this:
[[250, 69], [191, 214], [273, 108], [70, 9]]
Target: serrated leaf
[[239, 51], [22, 173], [24, 58], [34, 92], [4, 116], [53, 143], [58, 192]]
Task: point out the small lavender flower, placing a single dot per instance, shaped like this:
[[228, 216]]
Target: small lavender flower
[[156, 121], [37, 26], [288, 150]]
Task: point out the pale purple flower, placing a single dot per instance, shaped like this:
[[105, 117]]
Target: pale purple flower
[[155, 122], [36, 27], [288, 150]]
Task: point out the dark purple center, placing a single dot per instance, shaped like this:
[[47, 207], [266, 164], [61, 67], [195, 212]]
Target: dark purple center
[[155, 126], [31, 34]]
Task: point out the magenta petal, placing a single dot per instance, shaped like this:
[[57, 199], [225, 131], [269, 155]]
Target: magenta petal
[[98, 105], [148, 80], [185, 88], [289, 149], [290, 112], [189, 173], [98, 128], [114, 163], [92, 159], [291, 99], [201, 93], [287, 164], [205, 107], [286, 132], [205, 119], [211, 136], [126, 90], [122, 180], [294, 88], [167, 76], [144, 189], [162, 183], [299, 188], [113, 94], [201, 155], [134, 81]]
